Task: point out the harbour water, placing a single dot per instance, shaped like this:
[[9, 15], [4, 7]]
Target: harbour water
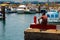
[[14, 25]]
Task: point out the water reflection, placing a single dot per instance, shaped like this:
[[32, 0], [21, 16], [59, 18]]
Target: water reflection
[[13, 27], [3, 26], [3, 29]]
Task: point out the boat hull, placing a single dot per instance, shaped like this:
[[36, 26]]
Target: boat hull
[[30, 12], [20, 11]]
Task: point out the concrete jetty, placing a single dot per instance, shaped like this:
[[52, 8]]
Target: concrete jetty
[[36, 34]]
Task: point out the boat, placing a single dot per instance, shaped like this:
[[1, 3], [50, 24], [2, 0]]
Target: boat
[[25, 9], [21, 8], [30, 11], [13, 10], [10, 10], [53, 16], [33, 10]]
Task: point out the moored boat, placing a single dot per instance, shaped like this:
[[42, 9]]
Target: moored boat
[[21, 9], [53, 16]]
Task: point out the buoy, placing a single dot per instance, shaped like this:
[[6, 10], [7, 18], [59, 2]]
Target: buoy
[[35, 19]]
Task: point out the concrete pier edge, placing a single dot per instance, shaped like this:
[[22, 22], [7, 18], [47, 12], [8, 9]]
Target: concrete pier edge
[[36, 34]]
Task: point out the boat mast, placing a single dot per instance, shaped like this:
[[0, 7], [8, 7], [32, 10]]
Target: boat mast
[[48, 4]]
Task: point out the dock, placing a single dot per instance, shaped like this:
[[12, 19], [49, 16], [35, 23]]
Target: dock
[[36, 34]]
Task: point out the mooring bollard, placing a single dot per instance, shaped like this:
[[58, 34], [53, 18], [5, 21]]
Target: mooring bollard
[[3, 12]]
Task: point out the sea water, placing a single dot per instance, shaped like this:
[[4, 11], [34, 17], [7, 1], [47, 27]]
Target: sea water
[[15, 24]]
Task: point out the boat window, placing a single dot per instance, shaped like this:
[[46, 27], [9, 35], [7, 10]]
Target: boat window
[[48, 15], [56, 15], [52, 15]]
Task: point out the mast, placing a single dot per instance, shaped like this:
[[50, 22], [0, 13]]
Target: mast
[[48, 4]]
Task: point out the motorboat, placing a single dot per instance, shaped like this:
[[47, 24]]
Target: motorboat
[[53, 16], [33, 10], [21, 8], [25, 9], [30, 11], [10, 10]]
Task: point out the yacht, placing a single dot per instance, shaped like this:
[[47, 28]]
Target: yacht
[[21, 9]]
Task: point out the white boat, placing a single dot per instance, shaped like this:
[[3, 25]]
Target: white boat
[[30, 11], [21, 9], [13, 9], [53, 16], [33, 10], [10, 10], [25, 9]]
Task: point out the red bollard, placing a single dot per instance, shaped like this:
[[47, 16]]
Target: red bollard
[[35, 19]]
